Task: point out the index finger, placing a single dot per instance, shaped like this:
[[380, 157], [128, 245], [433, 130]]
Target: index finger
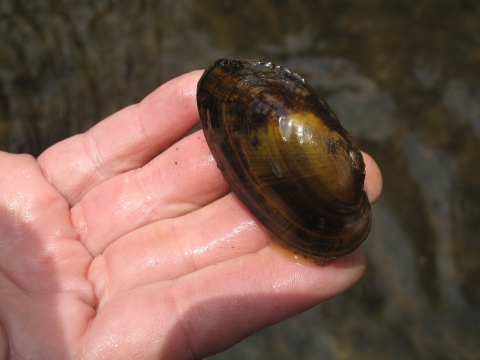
[[124, 141]]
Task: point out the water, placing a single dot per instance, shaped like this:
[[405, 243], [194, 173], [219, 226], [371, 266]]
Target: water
[[403, 78]]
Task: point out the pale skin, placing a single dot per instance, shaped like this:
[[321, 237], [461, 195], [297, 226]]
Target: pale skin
[[125, 243]]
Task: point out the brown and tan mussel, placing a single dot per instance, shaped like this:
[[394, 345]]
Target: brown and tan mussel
[[285, 155]]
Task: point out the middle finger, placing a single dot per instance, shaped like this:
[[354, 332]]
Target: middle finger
[[181, 179]]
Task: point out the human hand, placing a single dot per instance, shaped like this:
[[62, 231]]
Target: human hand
[[109, 250]]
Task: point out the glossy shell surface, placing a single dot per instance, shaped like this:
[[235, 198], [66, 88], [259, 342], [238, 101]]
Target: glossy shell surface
[[285, 155]]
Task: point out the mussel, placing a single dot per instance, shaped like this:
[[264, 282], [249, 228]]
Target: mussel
[[285, 155]]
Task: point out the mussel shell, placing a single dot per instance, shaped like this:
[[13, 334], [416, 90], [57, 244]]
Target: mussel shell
[[286, 157]]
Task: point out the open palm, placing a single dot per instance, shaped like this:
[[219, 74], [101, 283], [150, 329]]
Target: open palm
[[125, 243]]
